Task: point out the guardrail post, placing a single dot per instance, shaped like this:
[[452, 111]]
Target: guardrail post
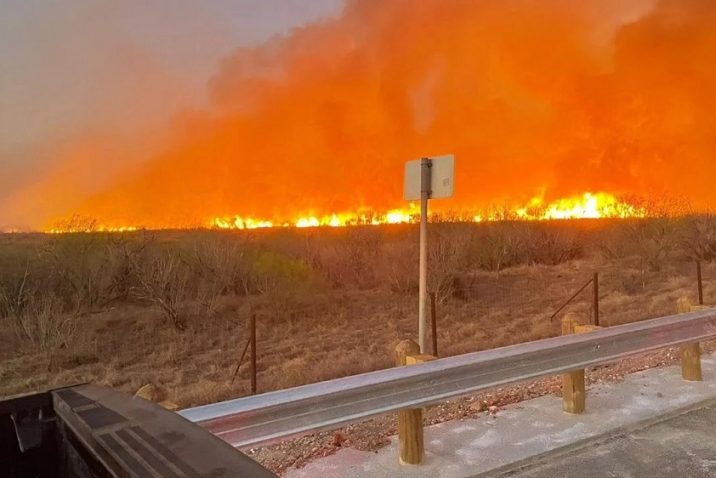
[[690, 353], [573, 389], [410, 421]]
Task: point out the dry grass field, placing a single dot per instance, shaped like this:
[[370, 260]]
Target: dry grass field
[[171, 308]]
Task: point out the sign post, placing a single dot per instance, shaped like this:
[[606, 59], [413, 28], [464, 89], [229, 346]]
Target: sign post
[[425, 179]]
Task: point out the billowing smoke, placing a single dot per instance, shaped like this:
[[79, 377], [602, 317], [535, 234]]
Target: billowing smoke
[[549, 97]]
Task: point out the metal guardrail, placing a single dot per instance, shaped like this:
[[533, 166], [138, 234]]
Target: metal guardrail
[[261, 419]]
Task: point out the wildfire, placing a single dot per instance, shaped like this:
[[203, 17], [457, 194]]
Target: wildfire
[[584, 100], [64, 229], [394, 216], [587, 206], [599, 205]]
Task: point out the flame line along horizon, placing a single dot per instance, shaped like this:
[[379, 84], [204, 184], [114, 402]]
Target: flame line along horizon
[[600, 205]]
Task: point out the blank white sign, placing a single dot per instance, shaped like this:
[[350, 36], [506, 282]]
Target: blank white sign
[[441, 175]]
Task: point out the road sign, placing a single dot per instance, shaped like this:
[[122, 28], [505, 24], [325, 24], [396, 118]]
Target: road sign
[[441, 177], [425, 179]]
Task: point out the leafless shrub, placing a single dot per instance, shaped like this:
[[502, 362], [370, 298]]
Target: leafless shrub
[[163, 283], [350, 259], [14, 298], [38, 319], [497, 246], [220, 265], [276, 273], [123, 255], [550, 245], [652, 242], [699, 238], [398, 266], [612, 245], [75, 270], [447, 253], [44, 324]]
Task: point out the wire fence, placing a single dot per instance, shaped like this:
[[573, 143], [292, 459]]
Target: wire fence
[[524, 304]]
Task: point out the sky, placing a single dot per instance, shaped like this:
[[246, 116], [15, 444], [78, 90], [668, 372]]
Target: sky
[[118, 67]]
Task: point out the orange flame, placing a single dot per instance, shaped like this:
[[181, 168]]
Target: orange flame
[[599, 205], [587, 206]]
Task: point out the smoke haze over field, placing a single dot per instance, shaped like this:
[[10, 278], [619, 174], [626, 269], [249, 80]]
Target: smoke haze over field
[[89, 88], [548, 97]]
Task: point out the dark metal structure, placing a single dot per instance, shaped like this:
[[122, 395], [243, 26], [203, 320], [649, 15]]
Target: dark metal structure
[[96, 432]]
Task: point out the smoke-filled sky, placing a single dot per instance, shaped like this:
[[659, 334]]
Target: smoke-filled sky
[[96, 83], [172, 113]]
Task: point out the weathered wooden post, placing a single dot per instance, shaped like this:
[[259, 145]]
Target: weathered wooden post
[[699, 283], [252, 338], [690, 353], [434, 322], [595, 297], [410, 421], [573, 389]]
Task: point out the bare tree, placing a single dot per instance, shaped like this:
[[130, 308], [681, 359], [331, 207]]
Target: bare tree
[[652, 240], [123, 256], [221, 266], [163, 282], [398, 266], [497, 246], [76, 270], [447, 252], [699, 238], [549, 244], [14, 298], [38, 318]]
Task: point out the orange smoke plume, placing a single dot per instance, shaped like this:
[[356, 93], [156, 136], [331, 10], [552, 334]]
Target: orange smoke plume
[[545, 99]]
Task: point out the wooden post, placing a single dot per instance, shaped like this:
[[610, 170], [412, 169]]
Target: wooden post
[[241, 360], [252, 325], [434, 323], [700, 283], [691, 362], [595, 282], [573, 389], [410, 421], [690, 353]]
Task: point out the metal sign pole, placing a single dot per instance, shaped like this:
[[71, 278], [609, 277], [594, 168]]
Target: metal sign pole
[[425, 192], [427, 178]]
